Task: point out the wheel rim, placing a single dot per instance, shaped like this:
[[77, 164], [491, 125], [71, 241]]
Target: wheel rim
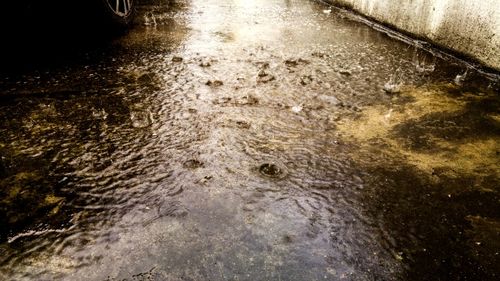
[[121, 8]]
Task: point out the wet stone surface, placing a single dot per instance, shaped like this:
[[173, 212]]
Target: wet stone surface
[[248, 140]]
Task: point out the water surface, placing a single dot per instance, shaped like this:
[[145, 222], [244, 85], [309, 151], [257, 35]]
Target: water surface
[[249, 140]]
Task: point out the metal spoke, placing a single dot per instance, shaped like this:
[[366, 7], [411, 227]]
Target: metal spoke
[[126, 6], [117, 9], [120, 7]]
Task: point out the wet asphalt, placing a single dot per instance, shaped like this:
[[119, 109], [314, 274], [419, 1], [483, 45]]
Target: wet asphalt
[[245, 140]]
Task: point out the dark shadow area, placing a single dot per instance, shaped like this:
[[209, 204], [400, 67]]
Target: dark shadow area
[[434, 232], [61, 92], [473, 122], [36, 189], [43, 34], [38, 36], [445, 225]]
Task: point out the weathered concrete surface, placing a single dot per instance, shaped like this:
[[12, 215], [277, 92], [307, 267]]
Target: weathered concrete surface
[[470, 27]]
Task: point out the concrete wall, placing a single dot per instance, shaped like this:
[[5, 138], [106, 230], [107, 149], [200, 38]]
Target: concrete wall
[[469, 27]]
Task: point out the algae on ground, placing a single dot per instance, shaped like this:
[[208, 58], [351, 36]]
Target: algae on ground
[[26, 197], [435, 130]]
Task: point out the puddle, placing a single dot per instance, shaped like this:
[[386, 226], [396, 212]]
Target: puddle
[[249, 140]]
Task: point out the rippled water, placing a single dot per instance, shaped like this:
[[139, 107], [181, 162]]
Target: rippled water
[[250, 140]]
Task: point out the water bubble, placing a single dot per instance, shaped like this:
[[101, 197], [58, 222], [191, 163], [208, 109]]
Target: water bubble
[[193, 164], [271, 170]]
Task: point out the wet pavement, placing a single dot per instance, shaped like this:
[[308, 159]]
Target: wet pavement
[[249, 140]]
